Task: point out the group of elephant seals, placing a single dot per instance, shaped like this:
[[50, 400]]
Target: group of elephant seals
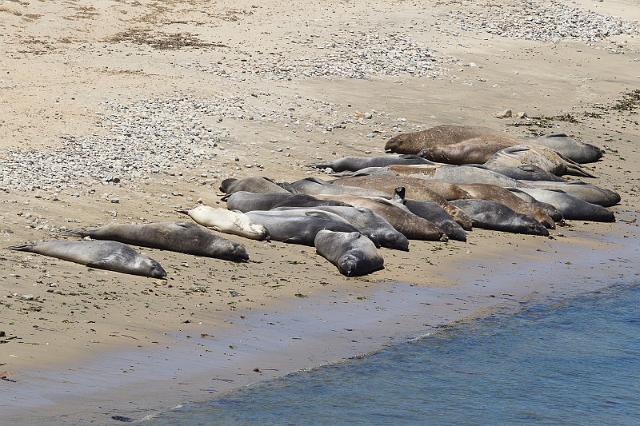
[[351, 252], [227, 221], [488, 214], [109, 255], [352, 164], [182, 237]]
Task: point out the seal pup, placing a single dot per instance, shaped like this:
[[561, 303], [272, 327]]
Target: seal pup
[[572, 208], [410, 225], [227, 221], [298, 227], [351, 252], [353, 164], [506, 197], [314, 186], [248, 201], [250, 184], [182, 237], [569, 148], [413, 143], [368, 223], [585, 191], [470, 151], [492, 215], [545, 158], [110, 255]]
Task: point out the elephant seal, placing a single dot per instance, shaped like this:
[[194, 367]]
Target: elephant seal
[[314, 186], [572, 208], [413, 143], [298, 227], [457, 174], [547, 208], [470, 151], [227, 221], [351, 252], [504, 196], [248, 201], [545, 158], [492, 215], [368, 223], [182, 237], [250, 184], [570, 148], [438, 216], [585, 191], [410, 225], [109, 255], [523, 172], [353, 164]]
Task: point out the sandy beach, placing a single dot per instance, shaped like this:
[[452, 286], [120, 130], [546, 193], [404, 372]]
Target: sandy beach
[[118, 111]]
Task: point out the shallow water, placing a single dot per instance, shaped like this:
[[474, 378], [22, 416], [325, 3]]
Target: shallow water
[[571, 362]]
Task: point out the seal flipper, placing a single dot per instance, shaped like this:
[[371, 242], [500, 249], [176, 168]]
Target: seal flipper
[[22, 247], [576, 170]]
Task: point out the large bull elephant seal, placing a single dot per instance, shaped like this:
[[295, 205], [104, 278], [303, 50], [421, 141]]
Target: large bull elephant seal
[[413, 143], [572, 208], [498, 217], [368, 223], [183, 237], [109, 255], [250, 184], [227, 221], [298, 227], [471, 151], [353, 164], [545, 158], [570, 148], [351, 252]]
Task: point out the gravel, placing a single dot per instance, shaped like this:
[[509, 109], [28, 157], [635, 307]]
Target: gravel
[[350, 54], [540, 21]]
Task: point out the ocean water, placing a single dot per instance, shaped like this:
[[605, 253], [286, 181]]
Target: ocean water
[[574, 362]]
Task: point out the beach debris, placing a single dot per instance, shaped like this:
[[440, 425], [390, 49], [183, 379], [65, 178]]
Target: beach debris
[[5, 375], [507, 113], [123, 419]]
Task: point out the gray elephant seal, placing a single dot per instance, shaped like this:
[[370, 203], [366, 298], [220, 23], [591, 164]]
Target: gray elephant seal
[[109, 255], [570, 148], [498, 217], [353, 164], [368, 223], [524, 172], [572, 208], [248, 201], [545, 158], [314, 186], [182, 237], [585, 191], [457, 174], [471, 151], [438, 216], [250, 184], [351, 252], [298, 228], [413, 143]]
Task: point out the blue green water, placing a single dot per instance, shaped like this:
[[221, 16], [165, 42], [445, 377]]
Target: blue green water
[[571, 362]]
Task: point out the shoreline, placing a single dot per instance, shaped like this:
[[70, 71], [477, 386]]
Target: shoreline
[[305, 333]]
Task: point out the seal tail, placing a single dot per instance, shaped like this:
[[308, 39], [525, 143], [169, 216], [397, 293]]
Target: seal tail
[[22, 247], [75, 233]]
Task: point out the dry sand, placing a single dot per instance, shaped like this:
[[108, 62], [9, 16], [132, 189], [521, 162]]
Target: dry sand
[[269, 88]]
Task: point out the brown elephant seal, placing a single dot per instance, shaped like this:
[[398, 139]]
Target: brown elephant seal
[[492, 215], [504, 196], [410, 225], [456, 174], [109, 255], [545, 158], [353, 164], [471, 151], [250, 184], [248, 201], [182, 237], [413, 143], [313, 186], [351, 252]]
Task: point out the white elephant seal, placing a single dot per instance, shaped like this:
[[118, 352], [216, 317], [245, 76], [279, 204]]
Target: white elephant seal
[[227, 221], [182, 237], [298, 227], [351, 252], [109, 255]]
